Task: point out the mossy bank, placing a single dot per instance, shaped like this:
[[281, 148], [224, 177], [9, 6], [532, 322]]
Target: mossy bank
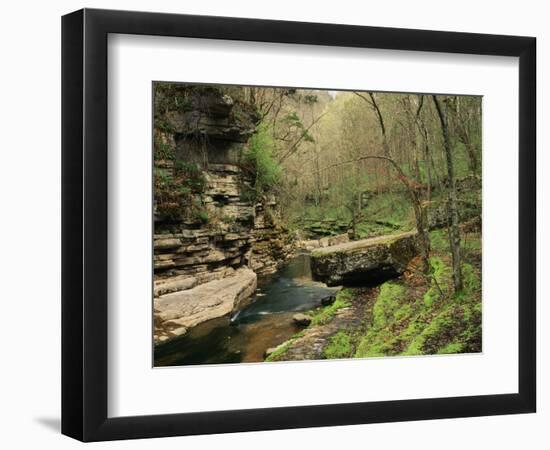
[[408, 316]]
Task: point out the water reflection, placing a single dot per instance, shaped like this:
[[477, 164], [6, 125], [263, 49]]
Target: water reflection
[[265, 322]]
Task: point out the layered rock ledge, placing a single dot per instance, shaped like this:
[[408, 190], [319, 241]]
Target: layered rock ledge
[[365, 262], [176, 312]]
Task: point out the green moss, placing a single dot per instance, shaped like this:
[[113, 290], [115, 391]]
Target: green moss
[[392, 208], [387, 303], [324, 315], [470, 244], [431, 337], [437, 322], [340, 346], [470, 279], [414, 348], [282, 349], [471, 336], [439, 285], [452, 348], [389, 311], [439, 241]]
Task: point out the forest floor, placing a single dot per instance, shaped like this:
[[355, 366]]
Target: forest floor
[[410, 315]]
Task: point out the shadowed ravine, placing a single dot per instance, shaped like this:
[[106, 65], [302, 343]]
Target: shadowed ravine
[[246, 335]]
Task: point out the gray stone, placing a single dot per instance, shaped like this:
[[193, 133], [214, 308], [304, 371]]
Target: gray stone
[[301, 319], [324, 242], [174, 284], [184, 309], [167, 243], [365, 262], [328, 300], [337, 240]]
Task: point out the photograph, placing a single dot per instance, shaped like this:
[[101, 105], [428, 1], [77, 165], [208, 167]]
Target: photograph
[[272, 225], [296, 224]]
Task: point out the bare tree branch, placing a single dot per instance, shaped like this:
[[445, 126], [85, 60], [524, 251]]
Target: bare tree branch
[[294, 146]]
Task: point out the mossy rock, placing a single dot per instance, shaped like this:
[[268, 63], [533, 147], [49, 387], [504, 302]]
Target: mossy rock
[[365, 262]]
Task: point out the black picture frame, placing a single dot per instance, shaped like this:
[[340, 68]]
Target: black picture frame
[[84, 224]]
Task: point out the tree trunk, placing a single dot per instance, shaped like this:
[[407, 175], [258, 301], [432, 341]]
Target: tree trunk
[[428, 168], [427, 156], [472, 157], [454, 230]]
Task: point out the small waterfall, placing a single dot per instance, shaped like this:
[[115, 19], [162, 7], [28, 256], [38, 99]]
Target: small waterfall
[[234, 316]]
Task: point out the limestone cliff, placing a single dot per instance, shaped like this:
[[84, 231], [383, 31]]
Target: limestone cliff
[[207, 225]]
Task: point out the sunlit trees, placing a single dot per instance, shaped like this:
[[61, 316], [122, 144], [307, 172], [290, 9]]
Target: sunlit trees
[[336, 151]]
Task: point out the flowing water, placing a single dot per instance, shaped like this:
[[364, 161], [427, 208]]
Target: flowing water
[[246, 335]]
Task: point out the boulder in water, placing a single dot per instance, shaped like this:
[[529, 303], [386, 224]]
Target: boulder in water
[[301, 319], [328, 300]]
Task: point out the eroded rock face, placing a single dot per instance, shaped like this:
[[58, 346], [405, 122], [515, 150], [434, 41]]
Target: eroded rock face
[[365, 262], [205, 127], [178, 311], [271, 244], [218, 233]]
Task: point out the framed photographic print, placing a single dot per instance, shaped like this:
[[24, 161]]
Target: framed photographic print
[[274, 224]]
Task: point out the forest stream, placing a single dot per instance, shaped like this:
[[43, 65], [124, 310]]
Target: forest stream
[[264, 323], [384, 189]]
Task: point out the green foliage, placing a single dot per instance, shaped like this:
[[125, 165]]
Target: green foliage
[[162, 124], [310, 99], [190, 176], [435, 333], [391, 207], [282, 349], [389, 309], [439, 241], [384, 213], [340, 346], [451, 348], [294, 123], [439, 283], [438, 322], [260, 161], [229, 219], [454, 325], [324, 315], [163, 150], [178, 192], [387, 303], [470, 279], [201, 215]]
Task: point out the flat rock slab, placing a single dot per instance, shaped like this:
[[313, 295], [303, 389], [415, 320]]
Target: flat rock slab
[[174, 284], [176, 312], [366, 262]]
